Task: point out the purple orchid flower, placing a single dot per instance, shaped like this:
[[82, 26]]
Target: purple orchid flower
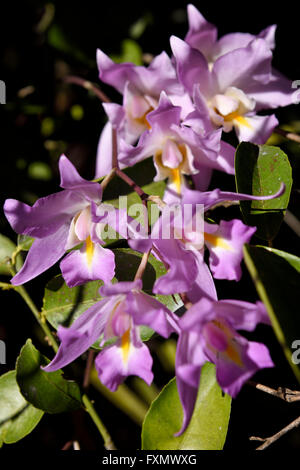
[[177, 150], [202, 36], [208, 333], [141, 87], [118, 315], [229, 92], [60, 222], [182, 249]]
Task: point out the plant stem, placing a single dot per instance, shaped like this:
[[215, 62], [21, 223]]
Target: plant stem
[[108, 443], [26, 297], [142, 266], [123, 398]]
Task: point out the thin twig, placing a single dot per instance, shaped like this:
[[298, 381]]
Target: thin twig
[[88, 86], [142, 266], [107, 179], [135, 187], [287, 134], [283, 393], [267, 441], [114, 139]]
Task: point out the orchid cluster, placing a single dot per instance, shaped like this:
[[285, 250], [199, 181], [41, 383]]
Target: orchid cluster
[[177, 111]]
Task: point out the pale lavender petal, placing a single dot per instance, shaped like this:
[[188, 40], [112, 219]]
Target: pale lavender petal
[[71, 180], [165, 114], [189, 359], [201, 34], [243, 67], [242, 315], [231, 376], [225, 243], [104, 152], [47, 214], [182, 268], [88, 264], [277, 92], [203, 285], [192, 67], [256, 129], [128, 356]]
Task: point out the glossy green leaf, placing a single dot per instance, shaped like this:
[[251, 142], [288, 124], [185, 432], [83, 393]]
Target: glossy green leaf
[[276, 275], [48, 391], [7, 248], [208, 427], [63, 304], [260, 170], [17, 417]]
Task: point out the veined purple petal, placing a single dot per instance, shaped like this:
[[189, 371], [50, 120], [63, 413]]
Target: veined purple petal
[[43, 254], [85, 331]]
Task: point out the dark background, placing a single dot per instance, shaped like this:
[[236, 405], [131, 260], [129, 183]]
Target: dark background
[[40, 123]]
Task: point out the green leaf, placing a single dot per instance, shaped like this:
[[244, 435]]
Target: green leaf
[[276, 275], [63, 304], [208, 427], [25, 242], [17, 417], [7, 248], [130, 52], [260, 170], [48, 391]]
